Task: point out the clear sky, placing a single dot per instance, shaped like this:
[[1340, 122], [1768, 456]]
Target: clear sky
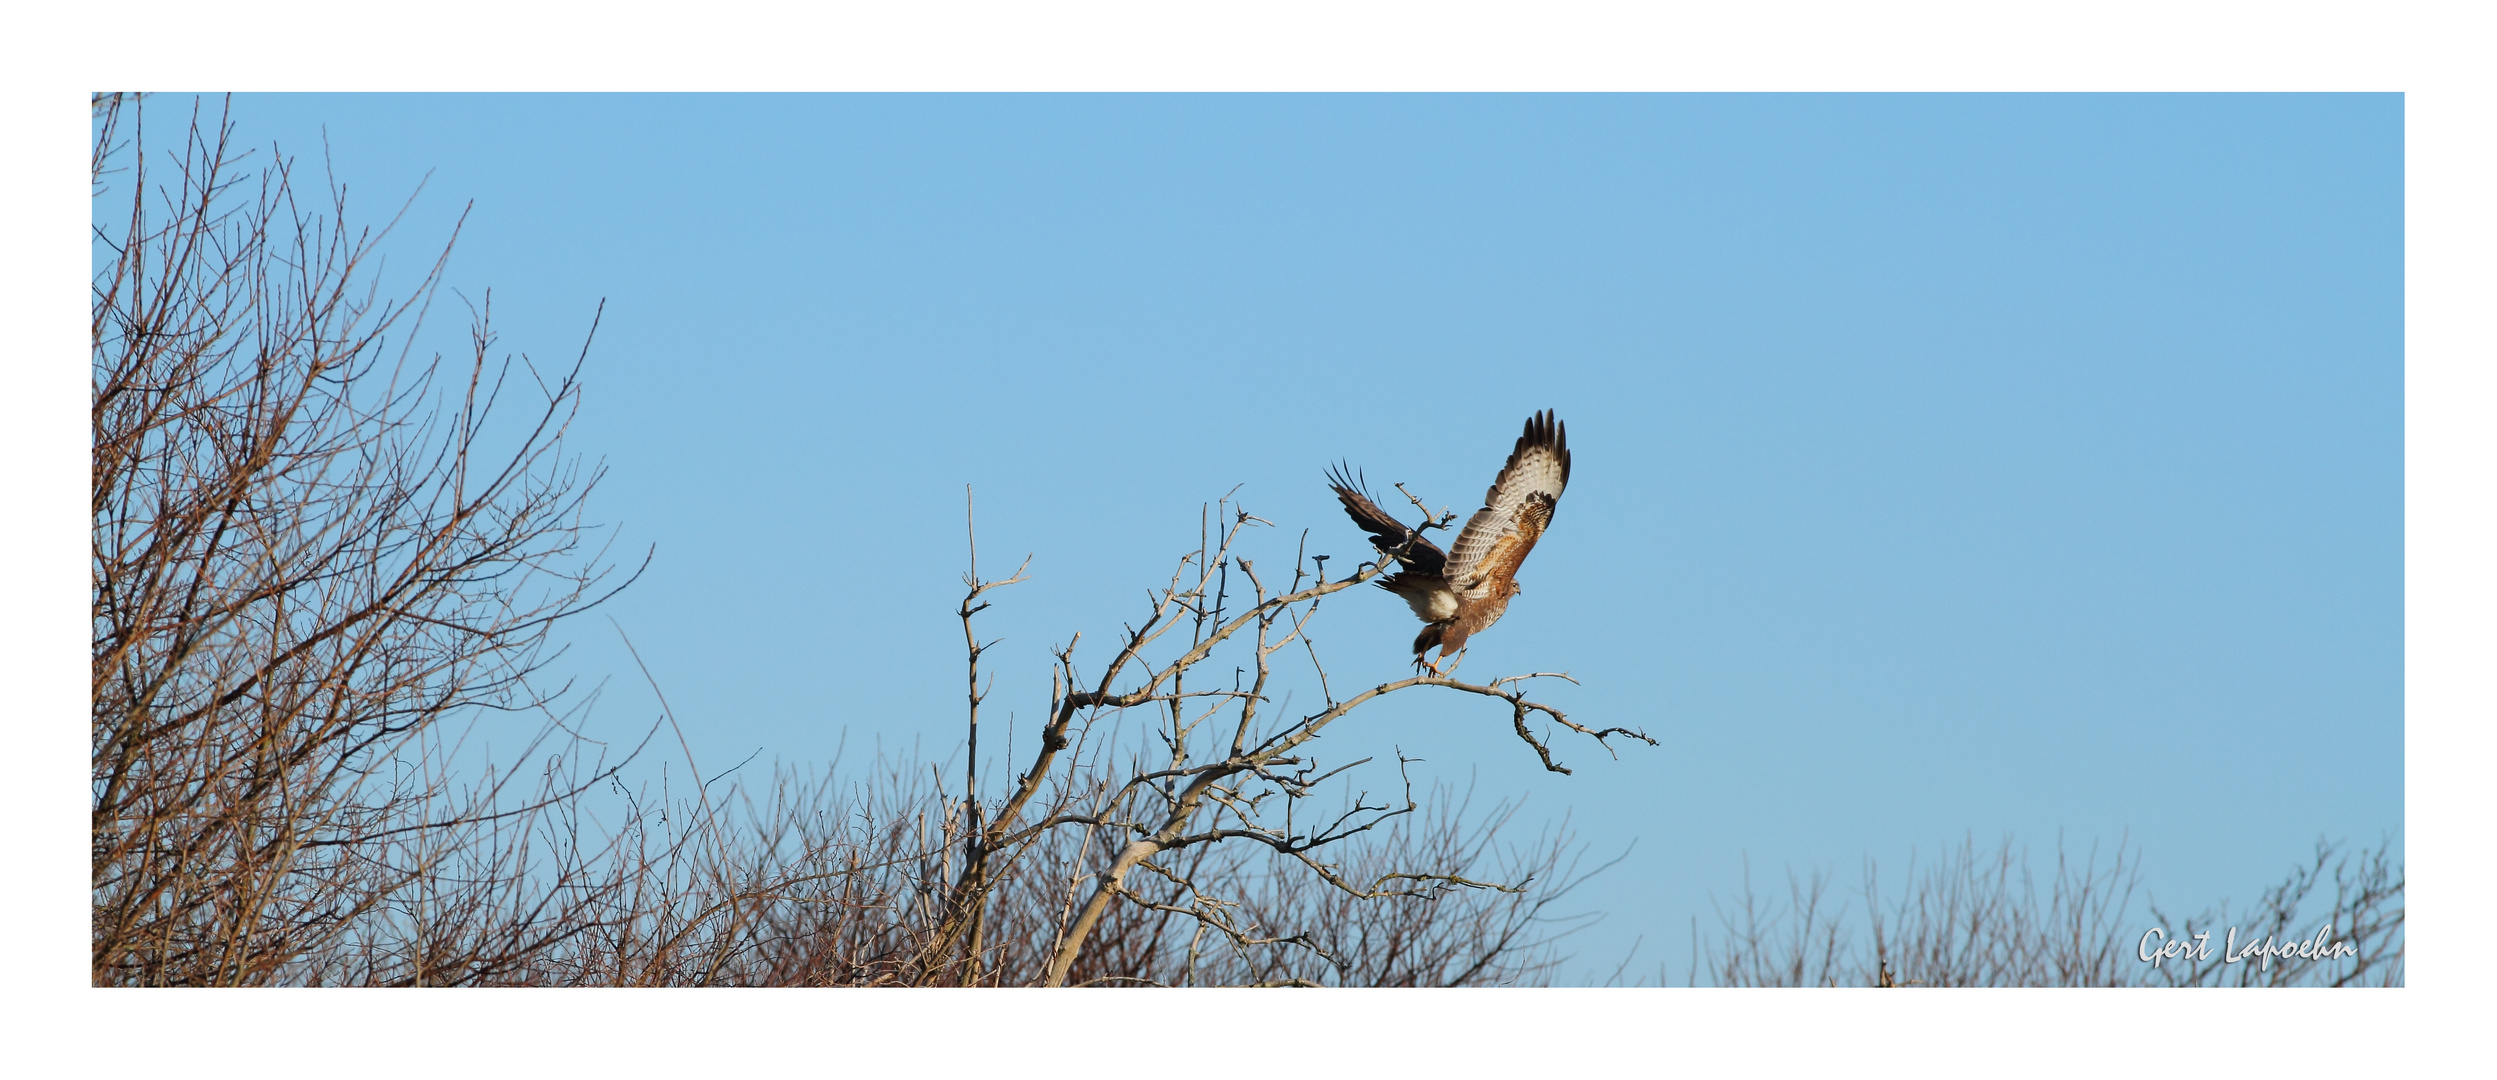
[[1954, 464]]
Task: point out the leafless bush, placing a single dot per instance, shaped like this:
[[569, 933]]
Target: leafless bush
[[1806, 943], [2365, 914], [1979, 918], [831, 883]]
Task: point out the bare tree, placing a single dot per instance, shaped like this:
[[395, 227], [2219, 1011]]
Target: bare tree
[[305, 558], [1216, 769]]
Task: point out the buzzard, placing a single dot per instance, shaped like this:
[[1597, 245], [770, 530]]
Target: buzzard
[[1461, 594]]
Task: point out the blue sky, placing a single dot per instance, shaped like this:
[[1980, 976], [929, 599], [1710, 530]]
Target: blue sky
[[1944, 464]]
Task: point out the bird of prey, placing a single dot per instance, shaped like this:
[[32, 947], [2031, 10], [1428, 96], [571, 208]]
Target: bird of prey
[[1461, 593]]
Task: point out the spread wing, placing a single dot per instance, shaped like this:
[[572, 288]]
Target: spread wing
[[1384, 529], [1515, 511]]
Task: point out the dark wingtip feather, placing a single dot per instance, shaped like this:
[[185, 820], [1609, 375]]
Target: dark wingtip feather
[[1542, 429], [1341, 477], [1546, 429]]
